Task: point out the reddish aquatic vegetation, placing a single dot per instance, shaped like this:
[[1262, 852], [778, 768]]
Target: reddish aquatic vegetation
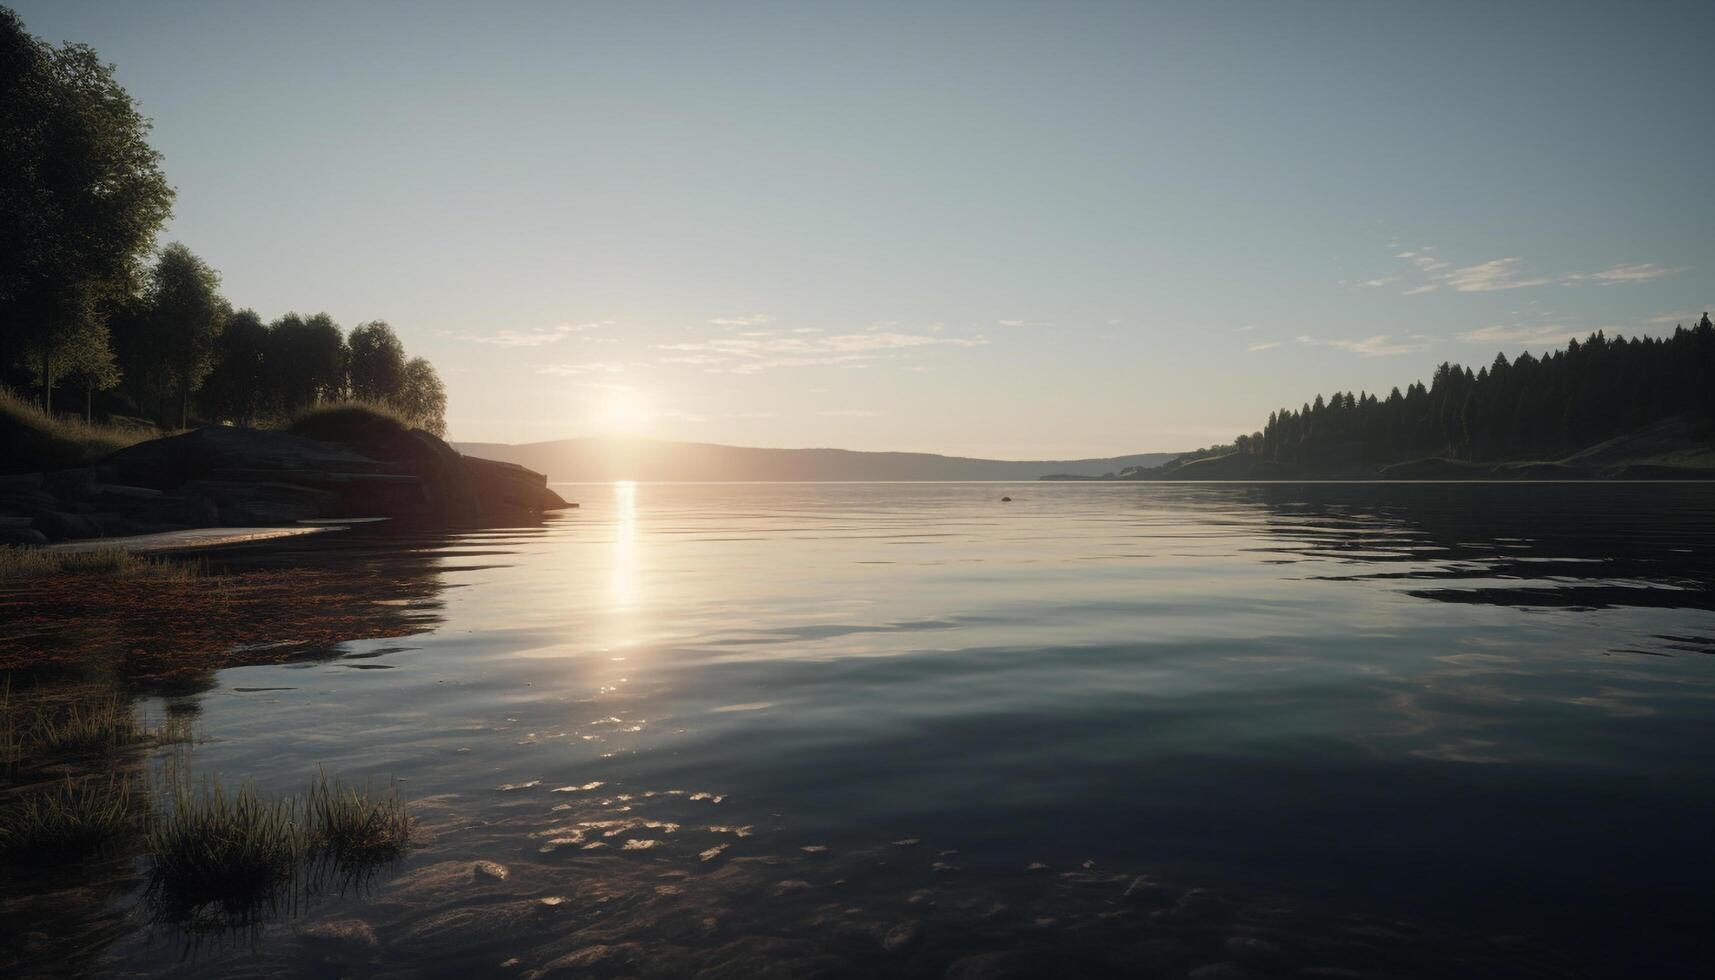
[[151, 629]]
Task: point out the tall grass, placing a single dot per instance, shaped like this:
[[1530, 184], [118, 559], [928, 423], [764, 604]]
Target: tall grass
[[230, 852], [24, 563], [354, 422], [84, 727], [235, 855], [356, 827], [78, 818], [47, 732], [33, 439]]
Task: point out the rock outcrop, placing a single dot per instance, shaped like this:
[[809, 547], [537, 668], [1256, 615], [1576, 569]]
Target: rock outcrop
[[233, 477]]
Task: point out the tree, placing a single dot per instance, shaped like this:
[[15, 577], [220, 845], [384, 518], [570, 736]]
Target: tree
[[377, 362], [306, 359], [81, 193], [91, 365], [1535, 407], [185, 313], [422, 398], [237, 388], [81, 352]]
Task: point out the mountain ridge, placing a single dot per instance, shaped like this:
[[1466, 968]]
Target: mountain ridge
[[595, 459]]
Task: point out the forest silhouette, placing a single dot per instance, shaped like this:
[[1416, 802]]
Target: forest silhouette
[[88, 302]]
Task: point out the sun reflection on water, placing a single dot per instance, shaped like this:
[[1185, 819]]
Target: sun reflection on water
[[624, 545], [623, 627]]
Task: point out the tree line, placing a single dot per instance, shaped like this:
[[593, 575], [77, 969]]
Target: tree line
[[87, 301], [1528, 408]]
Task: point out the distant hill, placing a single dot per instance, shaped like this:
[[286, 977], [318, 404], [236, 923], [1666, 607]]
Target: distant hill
[[595, 460], [1606, 408]]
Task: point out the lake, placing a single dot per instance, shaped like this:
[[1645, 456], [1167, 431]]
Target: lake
[[1129, 729]]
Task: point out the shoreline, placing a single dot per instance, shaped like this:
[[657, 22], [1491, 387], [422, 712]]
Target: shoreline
[[188, 539]]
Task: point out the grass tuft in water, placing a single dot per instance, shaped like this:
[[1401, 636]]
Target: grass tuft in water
[[76, 819], [65, 728], [233, 852], [102, 725], [355, 827], [24, 563]]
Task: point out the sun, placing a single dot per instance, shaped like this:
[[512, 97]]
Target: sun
[[623, 413]]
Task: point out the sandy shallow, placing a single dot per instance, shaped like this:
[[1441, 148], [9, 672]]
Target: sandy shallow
[[193, 538]]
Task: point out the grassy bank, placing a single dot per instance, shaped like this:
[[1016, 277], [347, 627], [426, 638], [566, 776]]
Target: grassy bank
[[352, 422], [31, 439]]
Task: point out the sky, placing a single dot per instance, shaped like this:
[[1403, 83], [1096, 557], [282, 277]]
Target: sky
[[1019, 230]]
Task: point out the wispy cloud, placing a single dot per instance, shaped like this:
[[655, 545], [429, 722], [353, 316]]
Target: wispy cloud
[[1521, 333], [1024, 323], [753, 320], [1431, 272], [532, 337], [1266, 345], [1624, 273], [744, 354], [588, 367], [1686, 319], [852, 413], [1493, 275], [1380, 345]]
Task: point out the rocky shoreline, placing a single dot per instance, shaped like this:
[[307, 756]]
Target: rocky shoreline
[[223, 476]]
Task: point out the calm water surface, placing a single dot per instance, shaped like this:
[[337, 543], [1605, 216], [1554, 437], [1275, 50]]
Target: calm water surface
[[1396, 729]]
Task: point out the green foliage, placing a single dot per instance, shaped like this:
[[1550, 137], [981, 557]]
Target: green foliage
[[184, 315], [423, 399], [237, 386], [83, 190], [306, 359], [377, 362], [380, 374], [82, 196], [77, 819]]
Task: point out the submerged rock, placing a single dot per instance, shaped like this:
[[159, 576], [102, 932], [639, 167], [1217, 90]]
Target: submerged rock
[[489, 871], [343, 935]]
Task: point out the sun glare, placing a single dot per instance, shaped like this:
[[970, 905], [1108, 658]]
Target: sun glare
[[623, 413]]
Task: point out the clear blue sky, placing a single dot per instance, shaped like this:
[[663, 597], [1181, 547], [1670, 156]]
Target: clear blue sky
[[1001, 229]]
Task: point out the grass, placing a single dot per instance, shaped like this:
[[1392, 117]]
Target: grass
[[83, 728], [77, 728], [237, 854], [350, 422], [233, 852], [22, 563], [76, 819], [31, 439], [355, 827]]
